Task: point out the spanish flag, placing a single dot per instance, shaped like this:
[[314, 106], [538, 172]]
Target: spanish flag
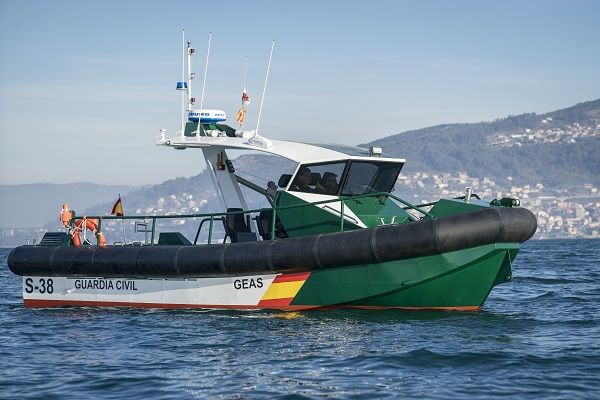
[[117, 208]]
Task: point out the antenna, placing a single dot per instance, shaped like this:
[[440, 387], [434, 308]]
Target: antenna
[[190, 76], [183, 90], [264, 89], [204, 83], [245, 69]]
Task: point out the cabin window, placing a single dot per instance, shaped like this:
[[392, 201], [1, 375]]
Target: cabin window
[[370, 177], [319, 178]]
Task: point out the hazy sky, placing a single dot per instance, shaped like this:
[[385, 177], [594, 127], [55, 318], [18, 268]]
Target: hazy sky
[[85, 86]]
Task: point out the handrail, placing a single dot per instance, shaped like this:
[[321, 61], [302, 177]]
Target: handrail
[[256, 210], [221, 215], [200, 227], [435, 202], [348, 217], [410, 206]]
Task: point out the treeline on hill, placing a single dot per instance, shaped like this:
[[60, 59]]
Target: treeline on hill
[[557, 165], [444, 148], [464, 147]]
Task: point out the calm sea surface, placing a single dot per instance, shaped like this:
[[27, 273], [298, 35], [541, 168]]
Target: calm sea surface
[[537, 337]]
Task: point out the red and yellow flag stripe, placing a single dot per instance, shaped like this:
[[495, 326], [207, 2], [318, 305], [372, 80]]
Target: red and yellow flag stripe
[[283, 289]]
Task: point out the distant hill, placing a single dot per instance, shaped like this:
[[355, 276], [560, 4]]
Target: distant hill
[[193, 195], [559, 148], [35, 204], [196, 193]]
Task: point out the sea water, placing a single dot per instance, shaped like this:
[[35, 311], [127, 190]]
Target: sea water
[[536, 337]]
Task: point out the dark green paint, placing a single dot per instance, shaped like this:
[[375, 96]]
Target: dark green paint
[[455, 279], [308, 220], [377, 210], [445, 207], [313, 220]]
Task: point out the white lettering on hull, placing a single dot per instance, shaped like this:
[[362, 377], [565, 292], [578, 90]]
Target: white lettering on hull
[[226, 291], [104, 284]]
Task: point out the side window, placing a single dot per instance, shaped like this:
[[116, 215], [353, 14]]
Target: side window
[[319, 178], [359, 179], [371, 177], [302, 180]]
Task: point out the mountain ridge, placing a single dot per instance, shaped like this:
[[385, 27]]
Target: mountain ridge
[[556, 149], [579, 111], [469, 147]]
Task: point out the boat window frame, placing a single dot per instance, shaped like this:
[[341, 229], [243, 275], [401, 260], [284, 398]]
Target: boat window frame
[[347, 174], [346, 162]]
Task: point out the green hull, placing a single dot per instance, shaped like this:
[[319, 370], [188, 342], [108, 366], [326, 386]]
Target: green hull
[[459, 280]]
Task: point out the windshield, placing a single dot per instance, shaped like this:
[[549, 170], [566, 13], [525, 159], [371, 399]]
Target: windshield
[[371, 177], [318, 178]]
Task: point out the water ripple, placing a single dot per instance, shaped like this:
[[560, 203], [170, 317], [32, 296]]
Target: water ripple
[[536, 337]]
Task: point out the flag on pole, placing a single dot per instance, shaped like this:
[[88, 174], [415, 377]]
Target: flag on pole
[[117, 208], [245, 98], [241, 114]]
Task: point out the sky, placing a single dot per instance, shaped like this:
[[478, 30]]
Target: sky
[[86, 86]]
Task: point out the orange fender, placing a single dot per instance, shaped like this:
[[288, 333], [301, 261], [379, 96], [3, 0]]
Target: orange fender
[[89, 224]]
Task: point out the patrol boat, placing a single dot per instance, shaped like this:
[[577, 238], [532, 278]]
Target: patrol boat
[[333, 236]]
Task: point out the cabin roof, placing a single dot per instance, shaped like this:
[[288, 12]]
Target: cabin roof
[[296, 151]]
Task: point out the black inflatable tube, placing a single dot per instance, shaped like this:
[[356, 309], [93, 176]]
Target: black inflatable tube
[[363, 246]]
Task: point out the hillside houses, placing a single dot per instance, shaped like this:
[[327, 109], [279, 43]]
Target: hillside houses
[[561, 213], [547, 132]]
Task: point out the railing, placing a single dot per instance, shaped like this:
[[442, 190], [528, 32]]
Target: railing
[[212, 217], [435, 202]]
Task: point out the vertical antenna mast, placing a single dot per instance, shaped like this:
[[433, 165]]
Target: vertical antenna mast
[[183, 80], [190, 74], [204, 83], [264, 89], [245, 69]]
